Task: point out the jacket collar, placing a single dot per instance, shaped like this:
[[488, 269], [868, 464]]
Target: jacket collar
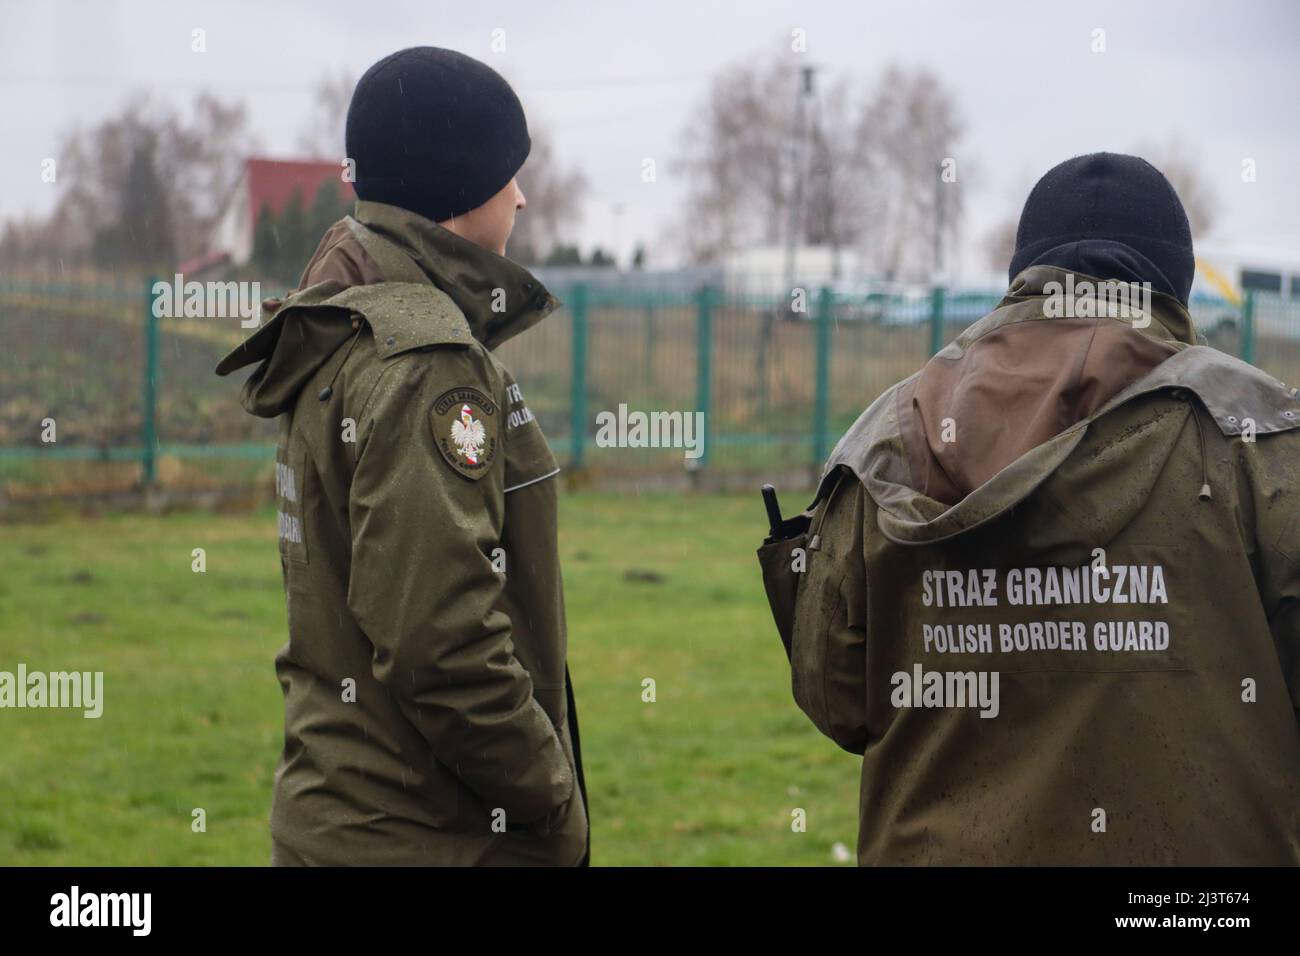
[[873, 448], [498, 297], [1169, 319]]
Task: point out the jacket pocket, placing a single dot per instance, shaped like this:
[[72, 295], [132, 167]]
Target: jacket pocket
[[782, 563], [818, 619], [476, 816]]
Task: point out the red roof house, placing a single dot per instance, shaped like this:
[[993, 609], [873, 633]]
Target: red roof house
[[270, 183]]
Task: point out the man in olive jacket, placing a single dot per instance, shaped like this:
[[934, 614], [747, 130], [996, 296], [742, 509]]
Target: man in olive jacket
[[428, 714], [1050, 585]]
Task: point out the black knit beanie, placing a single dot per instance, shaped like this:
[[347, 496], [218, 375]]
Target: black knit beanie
[[1107, 212], [435, 132]]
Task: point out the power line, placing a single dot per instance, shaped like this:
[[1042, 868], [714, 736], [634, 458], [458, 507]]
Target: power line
[[600, 83]]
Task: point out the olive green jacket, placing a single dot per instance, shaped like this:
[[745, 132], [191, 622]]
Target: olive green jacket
[[426, 713], [1135, 721]]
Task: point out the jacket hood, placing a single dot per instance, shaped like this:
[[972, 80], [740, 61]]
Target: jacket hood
[[1120, 206], [1107, 258], [1000, 408], [291, 348], [1023, 375], [496, 298]]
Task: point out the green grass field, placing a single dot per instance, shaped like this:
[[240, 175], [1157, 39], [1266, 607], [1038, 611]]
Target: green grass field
[[706, 775]]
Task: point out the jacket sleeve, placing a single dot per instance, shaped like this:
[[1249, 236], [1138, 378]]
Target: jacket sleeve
[[828, 646], [424, 590], [1275, 505]]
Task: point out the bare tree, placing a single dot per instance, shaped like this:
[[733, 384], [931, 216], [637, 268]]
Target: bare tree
[[554, 195], [736, 157], [839, 175], [1000, 244], [191, 161], [323, 137], [910, 132], [876, 174], [1179, 165], [202, 167]]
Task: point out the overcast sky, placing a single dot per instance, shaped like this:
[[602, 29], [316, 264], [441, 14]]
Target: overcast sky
[[615, 82]]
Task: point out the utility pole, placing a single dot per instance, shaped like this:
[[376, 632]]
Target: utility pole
[[802, 98], [762, 371], [939, 211]]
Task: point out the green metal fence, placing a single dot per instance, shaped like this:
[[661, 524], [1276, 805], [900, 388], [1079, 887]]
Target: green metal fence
[[133, 398]]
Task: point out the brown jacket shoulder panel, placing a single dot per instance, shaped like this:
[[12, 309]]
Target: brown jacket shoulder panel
[[341, 258]]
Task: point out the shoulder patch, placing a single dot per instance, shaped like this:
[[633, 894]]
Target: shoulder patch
[[467, 430]]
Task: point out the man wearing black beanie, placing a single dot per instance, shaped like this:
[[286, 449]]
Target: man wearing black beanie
[[440, 134], [429, 717], [1110, 216], [1050, 588]]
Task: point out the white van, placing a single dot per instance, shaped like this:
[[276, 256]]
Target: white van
[[1225, 274]]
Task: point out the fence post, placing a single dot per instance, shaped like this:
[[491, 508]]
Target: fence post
[[704, 367], [936, 319], [149, 413], [821, 399], [1248, 328], [578, 376], [649, 345]]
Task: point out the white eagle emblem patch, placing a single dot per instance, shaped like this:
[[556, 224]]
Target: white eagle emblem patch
[[466, 429], [468, 436]]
